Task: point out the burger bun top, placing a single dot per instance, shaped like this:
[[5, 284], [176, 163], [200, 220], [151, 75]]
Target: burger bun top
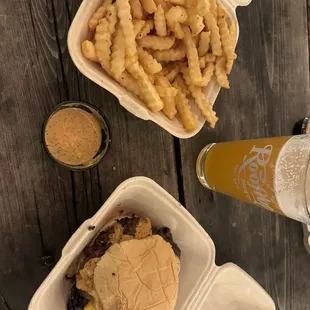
[[138, 274]]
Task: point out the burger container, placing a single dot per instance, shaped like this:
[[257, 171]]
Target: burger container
[[78, 32], [202, 284]]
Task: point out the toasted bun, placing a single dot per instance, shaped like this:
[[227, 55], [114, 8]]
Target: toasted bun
[[138, 274]]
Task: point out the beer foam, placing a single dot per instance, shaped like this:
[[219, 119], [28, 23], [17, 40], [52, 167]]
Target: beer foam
[[290, 177]]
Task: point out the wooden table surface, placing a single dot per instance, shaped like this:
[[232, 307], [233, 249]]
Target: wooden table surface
[[42, 204]]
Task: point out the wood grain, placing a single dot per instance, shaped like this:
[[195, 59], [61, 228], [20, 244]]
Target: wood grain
[[35, 195], [41, 203], [269, 93]]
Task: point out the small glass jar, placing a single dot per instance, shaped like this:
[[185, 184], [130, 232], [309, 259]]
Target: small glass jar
[[101, 123]]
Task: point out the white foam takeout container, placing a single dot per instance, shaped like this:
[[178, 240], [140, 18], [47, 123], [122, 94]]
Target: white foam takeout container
[[78, 32], [202, 284]]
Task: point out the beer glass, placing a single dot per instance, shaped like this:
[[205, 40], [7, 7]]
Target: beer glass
[[272, 173]]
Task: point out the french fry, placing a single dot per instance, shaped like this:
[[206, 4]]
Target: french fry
[[111, 16], [162, 81], [196, 39], [151, 78], [148, 62], [203, 7], [118, 53], [138, 24], [233, 36], [131, 84], [103, 44], [213, 8], [204, 43], [136, 7], [166, 91], [181, 83], [125, 18], [149, 6], [233, 32], [177, 2], [166, 68], [171, 70], [192, 56], [99, 14], [151, 97], [177, 30], [149, 25], [228, 43], [184, 109], [189, 3], [215, 38], [169, 108], [207, 74], [186, 115], [165, 4], [176, 16], [170, 66], [195, 22], [229, 65], [156, 43], [89, 51], [220, 72], [203, 104], [160, 22], [171, 75], [172, 54], [210, 57], [202, 62]]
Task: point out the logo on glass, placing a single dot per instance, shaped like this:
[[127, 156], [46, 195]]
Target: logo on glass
[[252, 176]]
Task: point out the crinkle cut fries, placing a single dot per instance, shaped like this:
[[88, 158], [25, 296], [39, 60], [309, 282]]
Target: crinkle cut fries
[[165, 52]]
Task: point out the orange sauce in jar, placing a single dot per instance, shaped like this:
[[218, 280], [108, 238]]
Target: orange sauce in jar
[[73, 136]]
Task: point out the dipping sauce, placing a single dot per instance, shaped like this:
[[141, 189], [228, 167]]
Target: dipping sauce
[[73, 136]]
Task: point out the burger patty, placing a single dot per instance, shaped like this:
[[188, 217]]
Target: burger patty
[[100, 245], [131, 227], [76, 300], [166, 234]]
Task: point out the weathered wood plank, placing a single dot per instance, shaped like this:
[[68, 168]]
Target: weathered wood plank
[[269, 93], [35, 195]]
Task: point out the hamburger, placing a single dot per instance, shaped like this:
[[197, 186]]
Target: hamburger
[[128, 265]]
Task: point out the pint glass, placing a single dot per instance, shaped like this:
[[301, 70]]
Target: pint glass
[[272, 173]]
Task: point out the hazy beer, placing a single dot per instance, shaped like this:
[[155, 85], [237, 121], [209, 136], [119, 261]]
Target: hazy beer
[[271, 173]]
